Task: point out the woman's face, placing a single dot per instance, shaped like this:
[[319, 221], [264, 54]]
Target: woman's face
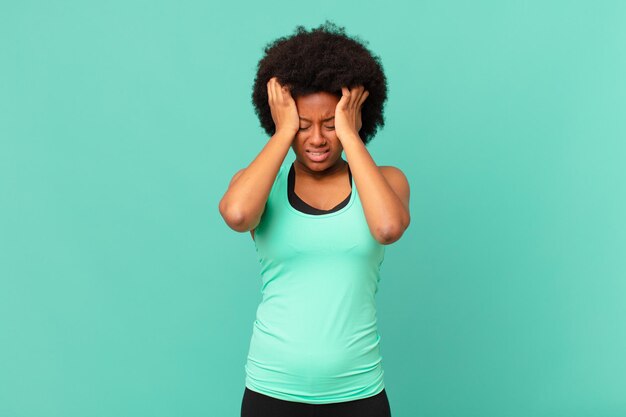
[[316, 146]]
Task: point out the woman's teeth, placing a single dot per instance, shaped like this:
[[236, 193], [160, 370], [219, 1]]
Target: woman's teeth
[[318, 156]]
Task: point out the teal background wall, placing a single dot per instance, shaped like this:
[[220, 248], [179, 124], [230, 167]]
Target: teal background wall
[[123, 293]]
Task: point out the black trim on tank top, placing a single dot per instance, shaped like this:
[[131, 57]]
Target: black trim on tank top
[[297, 203]]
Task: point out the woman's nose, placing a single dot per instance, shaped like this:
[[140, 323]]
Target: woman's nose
[[317, 137]]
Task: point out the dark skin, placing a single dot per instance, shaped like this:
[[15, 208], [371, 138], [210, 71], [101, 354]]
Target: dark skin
[[319, 127], [322, 184]]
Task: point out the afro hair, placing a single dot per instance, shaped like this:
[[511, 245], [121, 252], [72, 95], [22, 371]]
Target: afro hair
[[323, 59]]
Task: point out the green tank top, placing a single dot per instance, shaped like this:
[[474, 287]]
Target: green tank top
[[315, 338]]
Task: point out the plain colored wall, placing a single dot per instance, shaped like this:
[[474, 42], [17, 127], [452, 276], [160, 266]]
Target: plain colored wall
[[123, 293]]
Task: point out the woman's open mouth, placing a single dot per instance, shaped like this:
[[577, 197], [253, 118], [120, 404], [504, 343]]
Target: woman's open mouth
[[318, 156]]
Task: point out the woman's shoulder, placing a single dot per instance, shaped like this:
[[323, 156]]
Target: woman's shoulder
[[391, 172], [398, 182]]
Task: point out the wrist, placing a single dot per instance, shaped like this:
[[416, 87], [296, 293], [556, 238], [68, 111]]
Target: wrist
[[285, 134], [349, 137]]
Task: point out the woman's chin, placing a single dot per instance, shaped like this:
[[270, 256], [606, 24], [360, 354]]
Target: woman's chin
[[325, 165]]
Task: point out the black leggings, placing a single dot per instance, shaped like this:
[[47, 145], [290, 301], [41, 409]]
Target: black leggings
[[255, 404]]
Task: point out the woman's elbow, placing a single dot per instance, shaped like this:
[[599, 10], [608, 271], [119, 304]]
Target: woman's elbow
[[392, 232], [234, 218], [388, 235]]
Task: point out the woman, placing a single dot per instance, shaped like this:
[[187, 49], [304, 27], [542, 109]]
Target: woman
[[319, 226]]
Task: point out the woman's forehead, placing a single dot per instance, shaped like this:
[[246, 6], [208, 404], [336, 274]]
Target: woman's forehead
[[317, 105]]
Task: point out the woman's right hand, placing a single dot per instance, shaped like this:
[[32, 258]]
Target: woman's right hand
[[283, 108]]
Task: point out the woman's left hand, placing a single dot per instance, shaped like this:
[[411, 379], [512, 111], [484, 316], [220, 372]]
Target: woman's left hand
[[348, 111]]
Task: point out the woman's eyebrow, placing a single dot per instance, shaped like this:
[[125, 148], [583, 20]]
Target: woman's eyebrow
[[325, 120]]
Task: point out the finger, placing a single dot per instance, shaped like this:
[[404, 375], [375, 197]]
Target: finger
[[345, 97], [285, 93], [351, 96], [363, 97], [278, 93], [345, 93], [359, 93], [270, 91]]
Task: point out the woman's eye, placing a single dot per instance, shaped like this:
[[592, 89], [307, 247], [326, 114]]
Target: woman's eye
[[327, 127]]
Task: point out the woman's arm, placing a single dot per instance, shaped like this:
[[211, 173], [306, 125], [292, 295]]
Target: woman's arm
[[384, 191], [244, 201]]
